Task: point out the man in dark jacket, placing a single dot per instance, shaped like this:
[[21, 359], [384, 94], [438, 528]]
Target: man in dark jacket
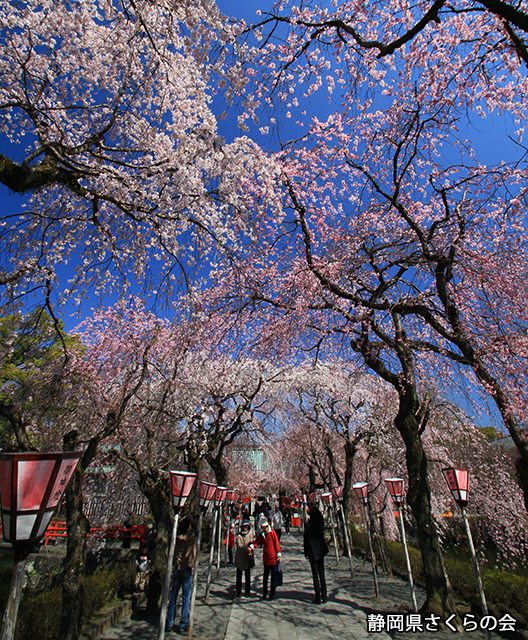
[[315, 549], [184, 561]]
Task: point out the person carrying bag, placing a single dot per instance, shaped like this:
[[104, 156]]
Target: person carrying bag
[[271, 553], [276, 576]]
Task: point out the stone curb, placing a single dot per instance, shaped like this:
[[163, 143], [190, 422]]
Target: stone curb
[[109, 616]]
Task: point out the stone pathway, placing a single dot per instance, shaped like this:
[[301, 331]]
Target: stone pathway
[[292, 615]]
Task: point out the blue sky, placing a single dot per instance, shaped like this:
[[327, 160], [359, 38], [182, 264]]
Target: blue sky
[[489, 136]]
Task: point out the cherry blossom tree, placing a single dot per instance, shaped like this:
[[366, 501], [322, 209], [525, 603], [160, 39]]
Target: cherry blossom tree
[[463, 217], [334, 410], [387, 215], [113, 140]]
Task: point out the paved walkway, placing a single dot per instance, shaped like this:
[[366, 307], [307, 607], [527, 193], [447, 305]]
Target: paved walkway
[[292, 615]]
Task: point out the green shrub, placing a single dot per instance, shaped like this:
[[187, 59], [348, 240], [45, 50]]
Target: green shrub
[[501, 587], [40, 615]]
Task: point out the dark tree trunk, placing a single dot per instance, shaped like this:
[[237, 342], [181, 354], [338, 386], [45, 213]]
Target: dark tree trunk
[[219, 469], [156, 490], [440, 599], [75, 562], [350, 453], [410, 421]]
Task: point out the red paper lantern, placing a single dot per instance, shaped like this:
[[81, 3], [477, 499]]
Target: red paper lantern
[[181, 484], [361, 489], [31, 486], [220, 495], [231, 496], [313, 496], [396, 487], [458, 481], [327, 497], [207, 493], [337, 492]]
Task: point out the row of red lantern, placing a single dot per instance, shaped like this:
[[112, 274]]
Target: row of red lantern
[[32, 484], [457, 479], [183, 481]]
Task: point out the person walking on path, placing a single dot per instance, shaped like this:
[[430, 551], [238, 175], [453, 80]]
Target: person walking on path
[[277, 522], [244, 560], [230, 542], [271, 553], [184, 559], [315, 549], [287, 519]]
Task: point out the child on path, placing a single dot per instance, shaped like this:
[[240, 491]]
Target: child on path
[[230, 541]]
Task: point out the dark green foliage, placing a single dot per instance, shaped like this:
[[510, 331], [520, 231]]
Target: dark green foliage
[[507, 590], [40, 615]]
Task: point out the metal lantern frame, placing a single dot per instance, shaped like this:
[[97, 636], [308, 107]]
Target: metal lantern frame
[[181, 484], [396, 487], [207, 493], [458, 482], [361, 491], [220, 495], [31, 486]]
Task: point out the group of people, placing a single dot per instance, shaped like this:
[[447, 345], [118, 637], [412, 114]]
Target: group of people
[[245, 542]]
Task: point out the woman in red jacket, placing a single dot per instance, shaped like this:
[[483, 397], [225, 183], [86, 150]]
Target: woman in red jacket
[[271, 554]]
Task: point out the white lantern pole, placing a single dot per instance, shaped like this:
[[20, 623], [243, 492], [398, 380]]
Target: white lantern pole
[[337, 493], [458, 481], [396, 488], [181, 484], [207, 494], [361, 489]]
